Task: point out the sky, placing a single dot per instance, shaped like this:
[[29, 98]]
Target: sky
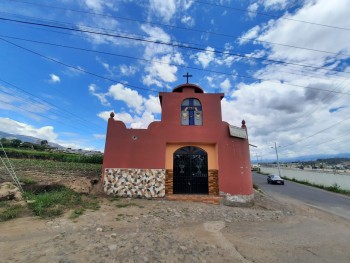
[[283, 66]]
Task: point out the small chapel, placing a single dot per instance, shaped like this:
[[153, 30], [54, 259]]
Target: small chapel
[[189, 153]]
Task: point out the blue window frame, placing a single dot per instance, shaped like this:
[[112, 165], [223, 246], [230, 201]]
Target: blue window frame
[[191, 112]]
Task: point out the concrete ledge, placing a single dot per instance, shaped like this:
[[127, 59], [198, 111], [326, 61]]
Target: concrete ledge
[[238, 200]]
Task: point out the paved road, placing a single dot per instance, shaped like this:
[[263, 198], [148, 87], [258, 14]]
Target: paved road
[[321, 199]]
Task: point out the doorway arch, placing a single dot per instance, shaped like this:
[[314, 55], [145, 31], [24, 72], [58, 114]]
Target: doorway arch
[[190, 167]]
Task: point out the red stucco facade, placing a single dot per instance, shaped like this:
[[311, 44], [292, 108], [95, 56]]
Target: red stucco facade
[[146, 148]]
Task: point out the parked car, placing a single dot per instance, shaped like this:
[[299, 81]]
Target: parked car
[[255, 167], [275, 179]]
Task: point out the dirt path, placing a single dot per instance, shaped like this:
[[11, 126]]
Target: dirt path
[[169, 231]]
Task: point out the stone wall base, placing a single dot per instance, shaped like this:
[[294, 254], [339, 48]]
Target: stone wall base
[[237, 200], [134, 182]]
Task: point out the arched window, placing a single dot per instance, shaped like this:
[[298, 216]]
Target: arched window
[[191, 112]]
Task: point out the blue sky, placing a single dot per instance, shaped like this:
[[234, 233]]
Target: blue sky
[[283, 66]]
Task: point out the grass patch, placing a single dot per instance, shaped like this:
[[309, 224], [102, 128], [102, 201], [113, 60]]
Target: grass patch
[[23, 166], [76, 213], [54, 203], [10, 212], [128, 204], [3, 204], [114, 198], [27, 180], [333, 188], [56, 156]]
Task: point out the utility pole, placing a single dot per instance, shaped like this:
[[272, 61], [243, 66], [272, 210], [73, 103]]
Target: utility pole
[[278, 163]]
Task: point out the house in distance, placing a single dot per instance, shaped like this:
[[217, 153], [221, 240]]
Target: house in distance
[[190, 152]]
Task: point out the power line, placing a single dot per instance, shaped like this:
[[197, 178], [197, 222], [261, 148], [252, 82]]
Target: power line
[[129, 85], [146, 60], [312, 135], [76, 68], [177, 27], [82, 121], [143, 59], [273, 16], [248, 57], [36, 113], [170, 44]]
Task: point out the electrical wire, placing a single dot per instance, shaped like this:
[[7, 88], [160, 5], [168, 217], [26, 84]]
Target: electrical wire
[[76, 68], [271, 15], [152, 90], [42, 103], [176, 27], [183, 46]]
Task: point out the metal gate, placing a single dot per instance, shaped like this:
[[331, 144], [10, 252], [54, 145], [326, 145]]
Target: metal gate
[[190, 171]]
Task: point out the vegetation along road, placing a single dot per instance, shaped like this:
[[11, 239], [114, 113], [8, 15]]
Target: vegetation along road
[[318, 198]]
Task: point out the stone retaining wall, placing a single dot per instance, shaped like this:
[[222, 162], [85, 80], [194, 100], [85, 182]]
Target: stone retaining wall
[[134, 182]]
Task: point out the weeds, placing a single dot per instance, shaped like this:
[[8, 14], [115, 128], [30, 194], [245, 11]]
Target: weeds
[[124, 205], [21, 166], [54, 203], [128, 204], [10, 212], [334, 188], [27, 180], [76, 213]]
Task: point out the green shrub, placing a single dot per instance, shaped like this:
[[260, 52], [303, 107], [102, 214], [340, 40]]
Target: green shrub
[[55, 202], [54, 156], [11, 212]]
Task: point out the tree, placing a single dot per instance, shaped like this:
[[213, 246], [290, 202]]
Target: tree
[[5, 142], [44, 142], [27, 145], [16, 143]]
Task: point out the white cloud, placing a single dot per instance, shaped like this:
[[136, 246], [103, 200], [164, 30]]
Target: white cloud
[[163, 9], [127, 70], [204, 57], [54, 78], [22, 103], [187, 20], [111, 70], [105, 114], [152, 104], [131, 97], [226, 85], [287, 114], [156, 33], [98, 5], [143, 121], [94, 4], [252, 10], [99, 136], [101, 96], [11, 126], [250, 34], [161, 71], [124, 117], [310, 36], [153, 50], [275, 4], [136, 121]]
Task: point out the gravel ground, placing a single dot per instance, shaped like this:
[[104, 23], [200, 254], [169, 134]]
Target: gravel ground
[[138, 230]]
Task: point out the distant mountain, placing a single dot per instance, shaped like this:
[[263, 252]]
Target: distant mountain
[[30, 139]]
